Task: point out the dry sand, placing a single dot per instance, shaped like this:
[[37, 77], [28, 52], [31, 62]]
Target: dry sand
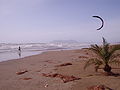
[[47, 62]]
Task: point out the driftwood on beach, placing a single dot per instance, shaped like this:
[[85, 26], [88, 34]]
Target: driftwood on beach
[[26, 78], [65, 64], [21, 72]]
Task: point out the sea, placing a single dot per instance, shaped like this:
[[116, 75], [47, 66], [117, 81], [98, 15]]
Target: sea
[[9, 51]]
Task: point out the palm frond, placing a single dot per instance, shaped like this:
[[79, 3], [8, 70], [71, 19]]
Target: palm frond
[[115, 61], [94, 61], [114, 56], [105, 48], [105, 54], [114, 49], [97, 49], [104, 41]]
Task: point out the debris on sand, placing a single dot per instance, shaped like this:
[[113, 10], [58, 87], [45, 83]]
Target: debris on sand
[[46, 85], [89, 75], [99, 87], [65, 64], [110, 74], [82, 57], [49, 75], [65, 78], [49, 61], [21, 72], [26, 78], [38, 70], [69, 78]]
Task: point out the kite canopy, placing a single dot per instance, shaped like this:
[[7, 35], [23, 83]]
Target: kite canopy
[[101, 21]]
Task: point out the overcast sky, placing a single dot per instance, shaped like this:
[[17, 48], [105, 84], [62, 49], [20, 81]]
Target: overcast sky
[[46, 20]]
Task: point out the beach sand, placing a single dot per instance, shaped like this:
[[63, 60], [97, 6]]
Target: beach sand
[[27, 73]]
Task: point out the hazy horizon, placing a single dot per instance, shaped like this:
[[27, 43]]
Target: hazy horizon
[[40, 21]]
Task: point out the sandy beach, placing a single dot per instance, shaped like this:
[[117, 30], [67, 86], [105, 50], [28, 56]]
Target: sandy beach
[[30, 73], [49, 44]]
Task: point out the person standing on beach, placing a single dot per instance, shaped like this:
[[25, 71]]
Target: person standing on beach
[[19, 48], [19, 51]]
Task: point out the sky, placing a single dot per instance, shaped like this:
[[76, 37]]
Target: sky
[[36, 21]]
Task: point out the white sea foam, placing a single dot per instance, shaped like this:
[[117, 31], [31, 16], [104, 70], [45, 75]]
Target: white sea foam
[[10, 51]]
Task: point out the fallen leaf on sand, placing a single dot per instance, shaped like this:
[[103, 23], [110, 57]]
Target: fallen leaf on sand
[[48, 61], [38, 71], [83, 57], [26, 78], [69, 78], [65, 64], [21, 72], [89, 75], [65, 78], [49, 75], [99, 87]]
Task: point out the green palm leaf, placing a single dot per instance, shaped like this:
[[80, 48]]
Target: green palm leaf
[[115, 61], [94, 61], [105, 55]]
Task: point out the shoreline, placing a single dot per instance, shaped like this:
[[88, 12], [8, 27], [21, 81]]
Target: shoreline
[[48, 63], [15, 55], [10, 51]]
